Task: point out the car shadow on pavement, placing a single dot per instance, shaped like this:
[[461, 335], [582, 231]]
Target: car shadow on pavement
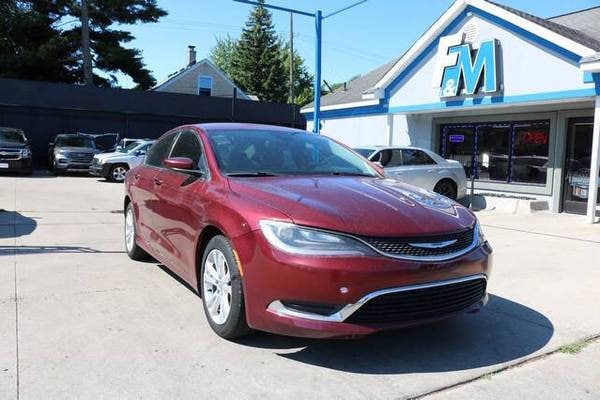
[[14, 224], [502, 332], [23, 250]]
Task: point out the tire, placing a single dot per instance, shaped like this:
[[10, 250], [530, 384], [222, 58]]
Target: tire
[[134, 251], [117, 172], [221, 286], [446, 187]]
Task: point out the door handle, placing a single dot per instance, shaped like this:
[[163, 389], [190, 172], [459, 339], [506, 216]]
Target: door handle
[[158, 182], [430, 170]]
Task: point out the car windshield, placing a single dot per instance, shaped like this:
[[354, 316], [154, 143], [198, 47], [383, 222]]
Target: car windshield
[[130, 147], [74, 141], [364, 152], [12, 135], [255, 152]]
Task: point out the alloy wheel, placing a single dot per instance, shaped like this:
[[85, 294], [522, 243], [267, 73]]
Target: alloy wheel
[[129, 229], [216, 286], [118, 173]]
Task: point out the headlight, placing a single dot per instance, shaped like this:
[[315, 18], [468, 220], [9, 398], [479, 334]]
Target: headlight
[[480, 236], [25, 153], [312, 242]]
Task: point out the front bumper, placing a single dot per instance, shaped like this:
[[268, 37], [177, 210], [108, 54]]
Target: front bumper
[[16, 165], [272, 278], [100, 170], [68, 165]]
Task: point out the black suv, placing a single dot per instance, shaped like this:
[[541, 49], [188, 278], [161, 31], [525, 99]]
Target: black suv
[[15, 153]]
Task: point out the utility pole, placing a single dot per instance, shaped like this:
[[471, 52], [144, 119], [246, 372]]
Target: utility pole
[[292, 58], [88, 79], [318, 17], [292, 102]]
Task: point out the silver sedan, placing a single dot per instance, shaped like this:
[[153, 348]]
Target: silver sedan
[[419, 167]]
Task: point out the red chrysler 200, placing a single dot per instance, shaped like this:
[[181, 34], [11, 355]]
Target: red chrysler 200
[[289, 232]]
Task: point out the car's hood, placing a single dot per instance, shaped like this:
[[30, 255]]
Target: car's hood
[[114, 155], [365, 206], [7, 144], [69, 149]]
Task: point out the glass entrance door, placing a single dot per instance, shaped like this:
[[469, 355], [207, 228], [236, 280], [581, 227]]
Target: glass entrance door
[[577, 165]]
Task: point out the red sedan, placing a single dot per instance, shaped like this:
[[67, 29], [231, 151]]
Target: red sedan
[[289, 232]]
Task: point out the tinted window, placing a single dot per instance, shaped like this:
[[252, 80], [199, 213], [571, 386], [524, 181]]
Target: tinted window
[[364, 152], [491, 159], [160, 150], [74, 141], [389, 158], [415, 157], [12, 135], [531, 149], [283, 152], [188, 145]]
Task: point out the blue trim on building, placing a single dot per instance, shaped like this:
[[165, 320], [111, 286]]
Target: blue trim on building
[[587, 77], [380, 108], [495, 100]]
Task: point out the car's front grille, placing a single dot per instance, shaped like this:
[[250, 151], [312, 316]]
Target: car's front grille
[[9, 154], [420, 303], [423, 246], [81, 158]]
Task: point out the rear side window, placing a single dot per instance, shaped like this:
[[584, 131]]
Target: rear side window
[[160, 150], [188, 145], [389, 158], [416, 157]]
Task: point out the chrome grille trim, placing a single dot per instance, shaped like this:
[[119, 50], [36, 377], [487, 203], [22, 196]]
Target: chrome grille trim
[[278, 308]]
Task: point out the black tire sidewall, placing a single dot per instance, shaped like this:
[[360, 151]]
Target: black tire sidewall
[[451, 185], [235, 325], [112, 168]]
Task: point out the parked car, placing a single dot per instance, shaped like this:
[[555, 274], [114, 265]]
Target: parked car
[[71, 153], [420, 167], [284, 231], [15, 153], [114, 166], [125, 142], [105, 143]]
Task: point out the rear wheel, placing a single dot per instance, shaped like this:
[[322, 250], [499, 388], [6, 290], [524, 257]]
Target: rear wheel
[[221, 287], [134, 251], [117, 172], [447, 188]]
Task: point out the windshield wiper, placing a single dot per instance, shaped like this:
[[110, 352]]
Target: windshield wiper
[[338, 173], [251, 174]]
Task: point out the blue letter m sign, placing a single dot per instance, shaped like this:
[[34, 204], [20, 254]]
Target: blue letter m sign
[[469, 73]]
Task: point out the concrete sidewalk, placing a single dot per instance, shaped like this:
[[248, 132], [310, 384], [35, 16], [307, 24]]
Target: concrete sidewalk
[[83, 321]]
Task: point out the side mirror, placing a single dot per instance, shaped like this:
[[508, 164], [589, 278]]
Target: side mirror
[[51, 144], [179, 163], [378, 164]]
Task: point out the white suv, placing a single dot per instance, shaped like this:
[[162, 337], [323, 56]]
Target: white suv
[[114, 166]]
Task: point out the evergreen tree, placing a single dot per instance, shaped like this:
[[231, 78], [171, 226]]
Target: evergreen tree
[[258, 64], [222, 53], [303, 80], [37, 44]]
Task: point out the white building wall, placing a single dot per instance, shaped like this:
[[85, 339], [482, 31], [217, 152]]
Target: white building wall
[[356, 131]]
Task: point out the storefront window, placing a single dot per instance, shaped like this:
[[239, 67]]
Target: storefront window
[[503, 152], [530, 160], [493, 153], [458, 145]]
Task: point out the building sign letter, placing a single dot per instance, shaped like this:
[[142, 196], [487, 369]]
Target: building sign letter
[[458, 73]]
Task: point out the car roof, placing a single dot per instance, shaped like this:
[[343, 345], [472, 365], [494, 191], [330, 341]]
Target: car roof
[[223, 126]]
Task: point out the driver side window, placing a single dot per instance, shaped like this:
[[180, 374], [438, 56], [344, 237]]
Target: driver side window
[[160, 150], [188, 145]]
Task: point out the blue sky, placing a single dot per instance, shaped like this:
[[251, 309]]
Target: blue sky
[[354, 42]]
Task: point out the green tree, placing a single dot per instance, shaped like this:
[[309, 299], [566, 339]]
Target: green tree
[[303, 80], [257, 64], [41, 36], [222, 53]]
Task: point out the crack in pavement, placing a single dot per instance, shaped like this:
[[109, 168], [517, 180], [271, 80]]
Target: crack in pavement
[[508, 367]]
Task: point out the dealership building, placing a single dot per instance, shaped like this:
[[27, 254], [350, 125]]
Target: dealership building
[[513, 97]]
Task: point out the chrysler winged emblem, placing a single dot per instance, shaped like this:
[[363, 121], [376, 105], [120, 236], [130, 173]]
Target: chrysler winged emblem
[[436, 245]]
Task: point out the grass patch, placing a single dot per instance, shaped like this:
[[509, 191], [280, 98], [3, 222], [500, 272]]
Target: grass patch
[[576, 347]]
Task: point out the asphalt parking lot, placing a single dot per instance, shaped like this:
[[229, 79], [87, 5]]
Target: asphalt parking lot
[[80, 320]]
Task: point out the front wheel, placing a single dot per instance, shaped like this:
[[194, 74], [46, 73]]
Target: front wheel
[[221, 287], [447, 188], [117, 172], [134, 251]]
